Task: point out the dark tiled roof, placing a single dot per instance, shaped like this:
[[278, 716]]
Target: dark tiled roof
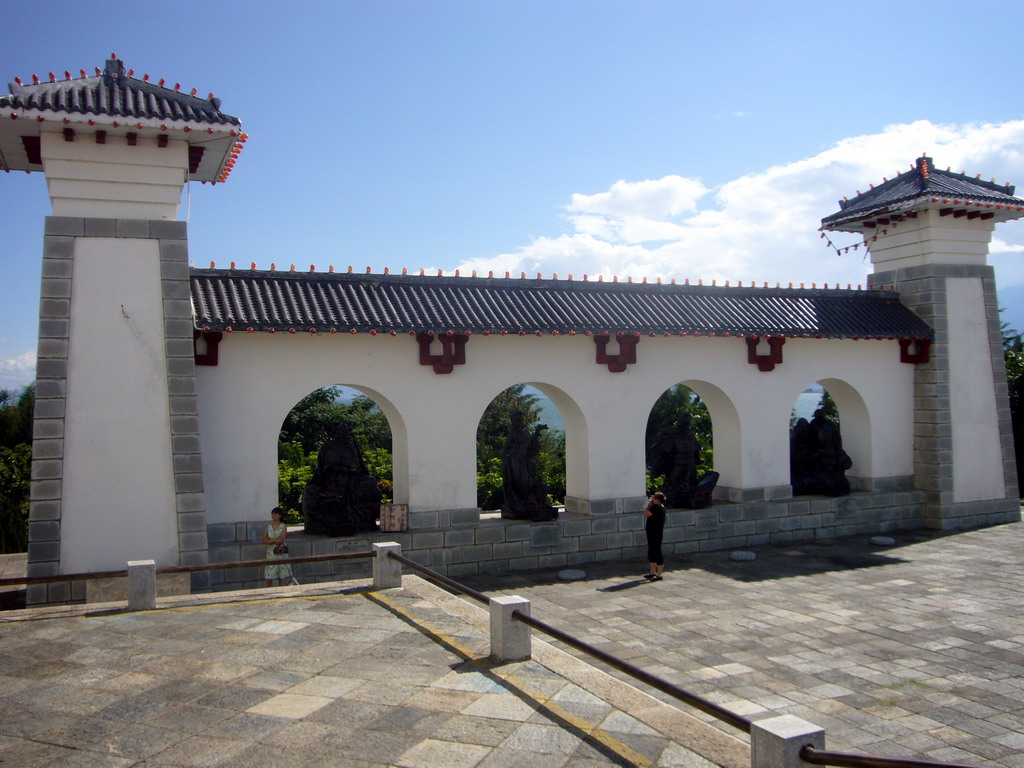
[[115, 93], [925, 181], [240, 300]]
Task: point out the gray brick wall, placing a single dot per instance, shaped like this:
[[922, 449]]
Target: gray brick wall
[[494, 545]]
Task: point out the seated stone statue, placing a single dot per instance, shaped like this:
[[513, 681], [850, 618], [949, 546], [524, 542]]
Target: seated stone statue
[[526, 497], [817, 462], [675, 454], [341, 499]]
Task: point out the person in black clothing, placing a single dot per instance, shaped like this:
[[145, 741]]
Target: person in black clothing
[[654, 527]]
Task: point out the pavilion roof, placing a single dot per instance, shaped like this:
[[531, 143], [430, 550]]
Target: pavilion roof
[[926, 186], [113, 102], [115, 92], [240, 300]]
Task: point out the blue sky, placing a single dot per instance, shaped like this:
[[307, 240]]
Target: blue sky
[[659, 139]]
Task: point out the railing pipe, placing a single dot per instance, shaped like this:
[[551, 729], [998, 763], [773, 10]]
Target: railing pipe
[[14, 581], [849, 760], [266, 561], [441, 579], [695, 701]]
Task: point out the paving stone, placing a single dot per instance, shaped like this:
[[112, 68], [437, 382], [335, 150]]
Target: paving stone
[[916, 650]]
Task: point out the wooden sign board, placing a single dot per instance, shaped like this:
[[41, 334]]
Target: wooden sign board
[[394, 517]]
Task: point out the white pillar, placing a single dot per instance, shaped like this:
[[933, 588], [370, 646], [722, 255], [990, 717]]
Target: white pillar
[[141, 585], [510, 638], [387, 572], [776, 742]]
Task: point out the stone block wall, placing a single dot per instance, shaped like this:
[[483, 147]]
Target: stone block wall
[[493, 545]]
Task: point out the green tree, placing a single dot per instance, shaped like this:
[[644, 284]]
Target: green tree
[[16, 411], [15, 471], [829, 409], [1013, 357]]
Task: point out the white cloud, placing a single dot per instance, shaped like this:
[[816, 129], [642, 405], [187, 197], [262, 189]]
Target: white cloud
[[667, 196], [17, 371], [762, 226]]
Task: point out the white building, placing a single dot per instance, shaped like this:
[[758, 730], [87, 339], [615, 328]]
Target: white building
[[162, 389]]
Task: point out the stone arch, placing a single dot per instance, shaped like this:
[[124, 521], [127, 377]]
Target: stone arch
[[399, 433], [577, 466], [726, 428], [855, 423]]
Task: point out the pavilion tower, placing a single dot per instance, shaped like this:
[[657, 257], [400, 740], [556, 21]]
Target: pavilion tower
[[928, 232], [117, 468]]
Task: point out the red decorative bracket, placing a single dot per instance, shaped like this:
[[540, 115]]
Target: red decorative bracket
[[627, 352], [921, 351], [212, 339], [767, 362], [453, 352]]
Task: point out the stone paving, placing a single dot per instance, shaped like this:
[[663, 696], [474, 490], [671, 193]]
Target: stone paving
[[914, 649], [318, 676]]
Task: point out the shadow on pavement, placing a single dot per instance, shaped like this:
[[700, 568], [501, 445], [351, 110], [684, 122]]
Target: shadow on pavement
[[772, 562]]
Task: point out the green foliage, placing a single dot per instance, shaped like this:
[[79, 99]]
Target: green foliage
[[294, 469], [378, 462], [16, 416], [828, 407], [551, 465], [15, 471], [1013, 357], [489, 493], [15, 467]]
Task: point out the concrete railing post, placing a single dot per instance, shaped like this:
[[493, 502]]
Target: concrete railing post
[[387, 572], [776, 742], [510, 638], [141, 585]]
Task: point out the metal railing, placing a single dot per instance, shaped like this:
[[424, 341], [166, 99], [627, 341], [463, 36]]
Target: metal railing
[[850, 760], [692, 699], [54, 578], [808, 753]]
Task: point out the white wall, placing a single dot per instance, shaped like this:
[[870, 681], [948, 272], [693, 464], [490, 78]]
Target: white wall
[[118, 493], [931, 239], [977, 453], [244, 400], [114, 180]]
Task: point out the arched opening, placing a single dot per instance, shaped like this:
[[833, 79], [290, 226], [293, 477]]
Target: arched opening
[[514, 451], [314, 422], [682, 453], [829, 439]]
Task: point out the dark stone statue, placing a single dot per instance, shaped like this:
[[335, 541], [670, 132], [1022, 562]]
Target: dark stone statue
[[526, 497], [817, 461], [341, 499], [675, 454]]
